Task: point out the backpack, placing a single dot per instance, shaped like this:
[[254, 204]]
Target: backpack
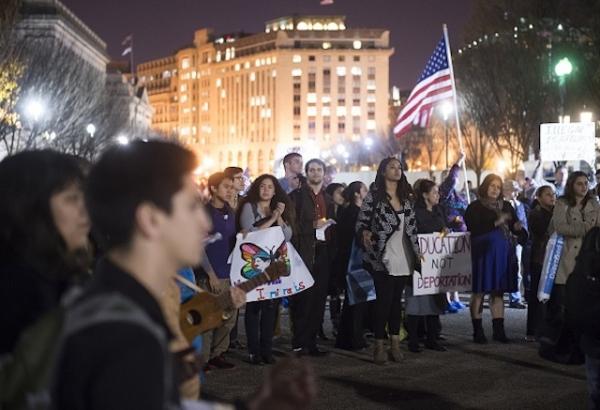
[[582, 293], [27, 373]]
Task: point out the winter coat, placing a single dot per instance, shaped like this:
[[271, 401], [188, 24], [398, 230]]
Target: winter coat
[[573, 223]]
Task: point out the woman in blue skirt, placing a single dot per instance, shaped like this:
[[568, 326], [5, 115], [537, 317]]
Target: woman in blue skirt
[[495, 231]]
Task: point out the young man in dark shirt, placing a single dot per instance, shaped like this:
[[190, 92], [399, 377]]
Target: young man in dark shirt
[[150, 221], [313, 208]]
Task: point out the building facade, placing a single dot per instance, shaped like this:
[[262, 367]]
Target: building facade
[[307, 84]]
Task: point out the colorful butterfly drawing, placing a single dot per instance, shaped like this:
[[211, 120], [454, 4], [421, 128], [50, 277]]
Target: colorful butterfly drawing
[[257, 259]]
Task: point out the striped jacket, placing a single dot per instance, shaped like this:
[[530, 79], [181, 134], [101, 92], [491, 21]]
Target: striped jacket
[[381, 219]]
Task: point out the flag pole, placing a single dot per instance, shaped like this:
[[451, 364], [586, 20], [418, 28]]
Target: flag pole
[[131, 62], [458, 130]]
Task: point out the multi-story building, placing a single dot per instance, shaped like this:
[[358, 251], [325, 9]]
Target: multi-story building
[[308, 83]]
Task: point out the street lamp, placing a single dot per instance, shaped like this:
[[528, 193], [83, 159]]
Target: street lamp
[[446, 111], [122, 139], [562, 69], [34, 109], [368, 142], [91, 129]]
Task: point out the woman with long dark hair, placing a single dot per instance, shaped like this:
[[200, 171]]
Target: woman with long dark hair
[[494, 229], [539, 221], [430, 218], [265, 205], [387, 228], [575, 213], [44, 229], [350, 331]]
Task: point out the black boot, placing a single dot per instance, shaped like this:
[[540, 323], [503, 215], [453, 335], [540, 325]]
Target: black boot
[[498, 327], [432, 326], [478, 335], [412, 324]]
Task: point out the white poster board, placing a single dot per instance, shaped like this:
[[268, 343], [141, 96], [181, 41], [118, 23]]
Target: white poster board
[[446, 264], [574, 141], [253, 254]]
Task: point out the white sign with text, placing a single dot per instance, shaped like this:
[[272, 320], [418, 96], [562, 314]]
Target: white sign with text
[[568, 142]]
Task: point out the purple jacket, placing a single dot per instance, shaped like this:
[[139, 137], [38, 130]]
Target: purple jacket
[[455, 203]]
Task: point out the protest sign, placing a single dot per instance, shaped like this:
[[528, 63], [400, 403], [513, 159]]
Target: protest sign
[[446, 264], [568, 142], [253, 254]]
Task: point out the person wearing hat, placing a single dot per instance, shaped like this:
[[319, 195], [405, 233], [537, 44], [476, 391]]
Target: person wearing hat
[[510, 191]]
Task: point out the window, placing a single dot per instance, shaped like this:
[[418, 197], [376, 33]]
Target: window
[[356, 44], [326, 59], [185, 63], [297, 58], [356, 58], [341, 58], [296, 111], [311, 58], [341, 71], [296, 72]]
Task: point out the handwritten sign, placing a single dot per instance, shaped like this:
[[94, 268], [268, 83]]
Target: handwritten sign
[[446, 266], [568, 142], [253, 254]]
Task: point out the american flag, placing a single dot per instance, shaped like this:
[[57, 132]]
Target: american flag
[[434, 85]]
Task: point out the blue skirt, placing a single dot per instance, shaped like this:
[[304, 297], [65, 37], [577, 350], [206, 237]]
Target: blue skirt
[[495, 266]]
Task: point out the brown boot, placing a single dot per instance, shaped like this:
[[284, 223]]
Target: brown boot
[[379, 354], [395, 352]]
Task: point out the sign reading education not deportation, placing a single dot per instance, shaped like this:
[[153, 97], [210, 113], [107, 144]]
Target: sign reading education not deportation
[[568, 142], [446, 264]]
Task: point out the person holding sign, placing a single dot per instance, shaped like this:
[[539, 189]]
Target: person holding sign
[[494, 229], [265, 205], [388, 229], [430, 218], [575, 213]]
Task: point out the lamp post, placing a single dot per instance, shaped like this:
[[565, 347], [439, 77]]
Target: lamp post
[[446, 111], [562, 69]]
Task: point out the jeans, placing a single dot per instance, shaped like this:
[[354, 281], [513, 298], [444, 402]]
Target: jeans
[[592, 371], [515, 297], [260, 325]]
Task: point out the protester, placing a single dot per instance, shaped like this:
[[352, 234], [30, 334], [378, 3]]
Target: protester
[[237, 176], [539, 221], [510, 192], [265, 205], [430, 218], [350, 329], [44, 245], [455, 204], [387, 227], [313, 207], [151, 222], [560, 180], [575, 213], [216, 342], [292, 165], [493, 225]]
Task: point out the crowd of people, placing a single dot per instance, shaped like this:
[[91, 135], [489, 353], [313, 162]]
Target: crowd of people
[[103, 243]]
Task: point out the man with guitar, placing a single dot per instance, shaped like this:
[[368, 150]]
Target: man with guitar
[[114, 351]]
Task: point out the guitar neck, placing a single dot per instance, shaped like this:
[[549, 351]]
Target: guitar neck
[[224, 299]]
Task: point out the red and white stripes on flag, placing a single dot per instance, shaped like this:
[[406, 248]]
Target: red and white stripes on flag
[[434, 86]]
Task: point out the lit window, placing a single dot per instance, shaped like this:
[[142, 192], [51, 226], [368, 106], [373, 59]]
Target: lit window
[[184, 98], [223, 93], [357, 44], [318, 26], [257, 63], [302, 26], [252, 76], [311, 97], [247, 64], [218, 82], [186, 110], [194, 74], [218, 57], [204, 106], [355, 111], [332, 26], [311, 111], [185, 63], [297, 58], [268, 60], [326, 45], [296, 72], [326, 99], [237, 67], [371, 98], [183, 88], [274, 73], [371, 125], [356, 71], [185, 131], [274, 60], [340, 111], [325, 111], [341, 70]]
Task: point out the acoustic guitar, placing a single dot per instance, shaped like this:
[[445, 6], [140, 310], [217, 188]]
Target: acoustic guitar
[[206, 311]]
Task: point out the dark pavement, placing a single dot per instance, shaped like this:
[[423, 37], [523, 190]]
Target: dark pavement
[[467, 376]]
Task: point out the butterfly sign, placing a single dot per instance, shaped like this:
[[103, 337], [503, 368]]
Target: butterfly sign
[[253, 254]]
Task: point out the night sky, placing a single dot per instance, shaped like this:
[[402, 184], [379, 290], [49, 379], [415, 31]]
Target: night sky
[[160, 27]]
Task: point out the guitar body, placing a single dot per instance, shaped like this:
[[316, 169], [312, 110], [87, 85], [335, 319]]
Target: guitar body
[[201, 313]]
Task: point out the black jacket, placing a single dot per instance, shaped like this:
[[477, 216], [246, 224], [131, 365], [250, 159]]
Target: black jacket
[[304, 239], [116, 365]]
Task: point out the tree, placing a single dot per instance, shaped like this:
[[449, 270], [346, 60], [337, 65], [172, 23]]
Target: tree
[[505, 73]]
